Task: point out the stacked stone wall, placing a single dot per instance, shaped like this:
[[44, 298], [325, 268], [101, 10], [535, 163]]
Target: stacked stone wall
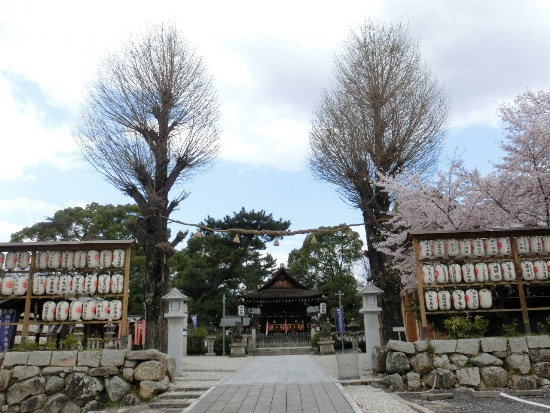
[[520, 363], [81, 381]]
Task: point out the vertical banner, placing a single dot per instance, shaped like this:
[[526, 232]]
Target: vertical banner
[[7, 316], [340, 327], [194, 321]]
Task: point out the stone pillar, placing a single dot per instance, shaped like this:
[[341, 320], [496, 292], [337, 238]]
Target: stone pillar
[[210, 345], [176, 317], [370, 312]]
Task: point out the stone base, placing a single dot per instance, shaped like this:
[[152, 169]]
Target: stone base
[[238, 350], [326, 346]]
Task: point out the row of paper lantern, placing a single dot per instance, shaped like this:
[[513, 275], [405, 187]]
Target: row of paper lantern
[[65, 284], [481, 247], [87, 311], [484, 272], [459, 300], [63, 259]]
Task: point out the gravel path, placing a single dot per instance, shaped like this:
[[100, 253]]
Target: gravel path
[[368, 398]]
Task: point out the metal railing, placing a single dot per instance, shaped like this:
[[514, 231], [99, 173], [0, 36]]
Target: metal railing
[[284, 340]]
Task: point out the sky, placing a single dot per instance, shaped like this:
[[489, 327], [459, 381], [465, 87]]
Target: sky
[[269, 62]]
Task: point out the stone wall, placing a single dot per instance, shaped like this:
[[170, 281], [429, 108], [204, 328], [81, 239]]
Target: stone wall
[[80, 381], [521, 363]]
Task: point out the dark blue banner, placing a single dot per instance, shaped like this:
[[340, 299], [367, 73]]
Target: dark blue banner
[[7, 315], [340, 326]]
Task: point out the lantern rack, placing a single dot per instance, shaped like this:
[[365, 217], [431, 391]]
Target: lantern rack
[[513, 245], [32, 301]]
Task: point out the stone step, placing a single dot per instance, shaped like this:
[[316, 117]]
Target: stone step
[[169, 404], [188, 388], [278, 351], [180, 395]]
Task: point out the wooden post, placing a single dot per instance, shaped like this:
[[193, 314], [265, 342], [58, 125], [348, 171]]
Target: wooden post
[[421, 303], [521, 291]]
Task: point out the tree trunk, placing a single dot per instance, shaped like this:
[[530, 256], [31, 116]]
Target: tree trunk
[[157, 281], [387, 281]]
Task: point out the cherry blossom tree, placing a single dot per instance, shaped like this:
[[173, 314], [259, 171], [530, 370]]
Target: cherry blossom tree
[[515, 193]]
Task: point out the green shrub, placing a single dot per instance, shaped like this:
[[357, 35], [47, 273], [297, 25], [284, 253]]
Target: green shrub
[[70, 342], [466, 326], [510, 329], [27, 345], [218, 344], [196, 341]]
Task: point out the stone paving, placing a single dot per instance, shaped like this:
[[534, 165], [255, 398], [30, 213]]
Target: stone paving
[[277, 384]]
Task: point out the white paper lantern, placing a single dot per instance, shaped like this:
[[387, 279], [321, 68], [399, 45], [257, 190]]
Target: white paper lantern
[[42, 258], [451, 246], [52, 284], [21, 285], [115, 309], [65, 284], [93, 259], [465, 248], [527, 270], [535, 244], [48, 311], [468, 273], [546, 243], [39, 284], [2, 260], [428, 274], [102, 310], [508, 271], [91, 283], [444, 300], [503, 246], [11, 260], [439, 248], [67, 259], [490, 246], [425, 249], [482, 272], [117, 283], [495, 271], [485, 298], [105, 258], [459, 299], [80, 258], [441, 273], [478, 249], [472, 299], [89, 310], [8, 283], [431, 300], [455, 273], [54, 259], [62, 311], [522, 244], [541, 270], [103, 283], [118, 258], [75, 311], [79, 282], [24, 260]]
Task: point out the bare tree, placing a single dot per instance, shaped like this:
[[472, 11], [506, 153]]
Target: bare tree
[[385, 113], [149, 123]]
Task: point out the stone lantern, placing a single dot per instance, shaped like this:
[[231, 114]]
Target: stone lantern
[[371, 313], [177, 324]]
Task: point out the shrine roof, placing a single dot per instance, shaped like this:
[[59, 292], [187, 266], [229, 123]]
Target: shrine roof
[[280, 286]]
